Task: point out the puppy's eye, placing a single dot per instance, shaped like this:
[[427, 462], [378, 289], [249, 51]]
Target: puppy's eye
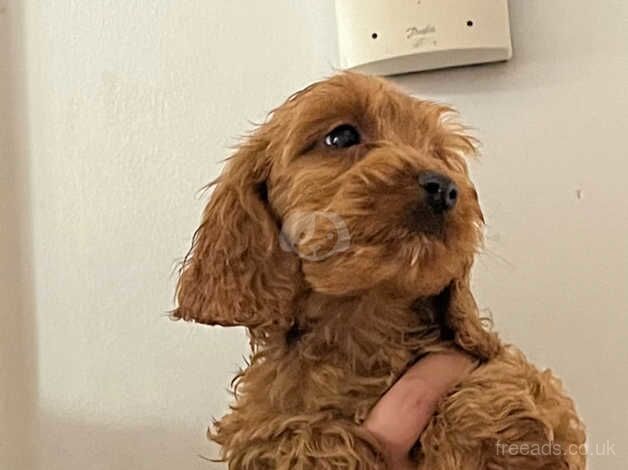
[[342, 137]]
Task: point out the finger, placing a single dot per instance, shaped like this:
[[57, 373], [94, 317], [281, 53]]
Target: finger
[[402, 414], [441, 371]]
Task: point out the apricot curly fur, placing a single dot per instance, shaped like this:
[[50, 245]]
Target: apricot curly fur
[[332, 329]]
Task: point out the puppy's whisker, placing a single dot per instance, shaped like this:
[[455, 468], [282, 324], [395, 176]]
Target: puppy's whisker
[[415, 258]]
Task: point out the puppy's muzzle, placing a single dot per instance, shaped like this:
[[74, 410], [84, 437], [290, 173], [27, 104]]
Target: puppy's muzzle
[[441, 193]]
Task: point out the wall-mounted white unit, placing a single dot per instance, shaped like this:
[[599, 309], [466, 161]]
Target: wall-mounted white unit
[[388, 37]]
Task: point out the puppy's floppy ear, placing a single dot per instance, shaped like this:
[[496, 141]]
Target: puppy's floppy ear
[[236, 273], [471, 332]]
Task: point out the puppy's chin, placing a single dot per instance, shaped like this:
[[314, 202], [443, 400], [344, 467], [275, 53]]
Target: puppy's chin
[[413, 270], [348, 255]]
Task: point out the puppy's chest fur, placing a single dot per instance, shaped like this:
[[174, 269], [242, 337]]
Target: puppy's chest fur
[[341, 355], [311, 387]]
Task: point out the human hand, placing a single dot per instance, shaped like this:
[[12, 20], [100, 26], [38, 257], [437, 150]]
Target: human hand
[[401, 415]]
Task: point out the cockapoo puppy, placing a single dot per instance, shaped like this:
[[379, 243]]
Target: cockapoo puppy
[[341, 234]]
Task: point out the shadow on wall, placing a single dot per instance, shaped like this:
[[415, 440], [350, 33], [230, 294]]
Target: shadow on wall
[[121, 446], [18, 369]]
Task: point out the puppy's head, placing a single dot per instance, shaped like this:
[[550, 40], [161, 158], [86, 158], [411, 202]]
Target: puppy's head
[[350, 185]]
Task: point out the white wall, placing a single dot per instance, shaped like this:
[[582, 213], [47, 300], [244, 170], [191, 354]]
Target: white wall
[[126, 109], [17, 332]]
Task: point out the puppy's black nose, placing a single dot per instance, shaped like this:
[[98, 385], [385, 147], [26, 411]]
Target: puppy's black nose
[[441, 193]]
